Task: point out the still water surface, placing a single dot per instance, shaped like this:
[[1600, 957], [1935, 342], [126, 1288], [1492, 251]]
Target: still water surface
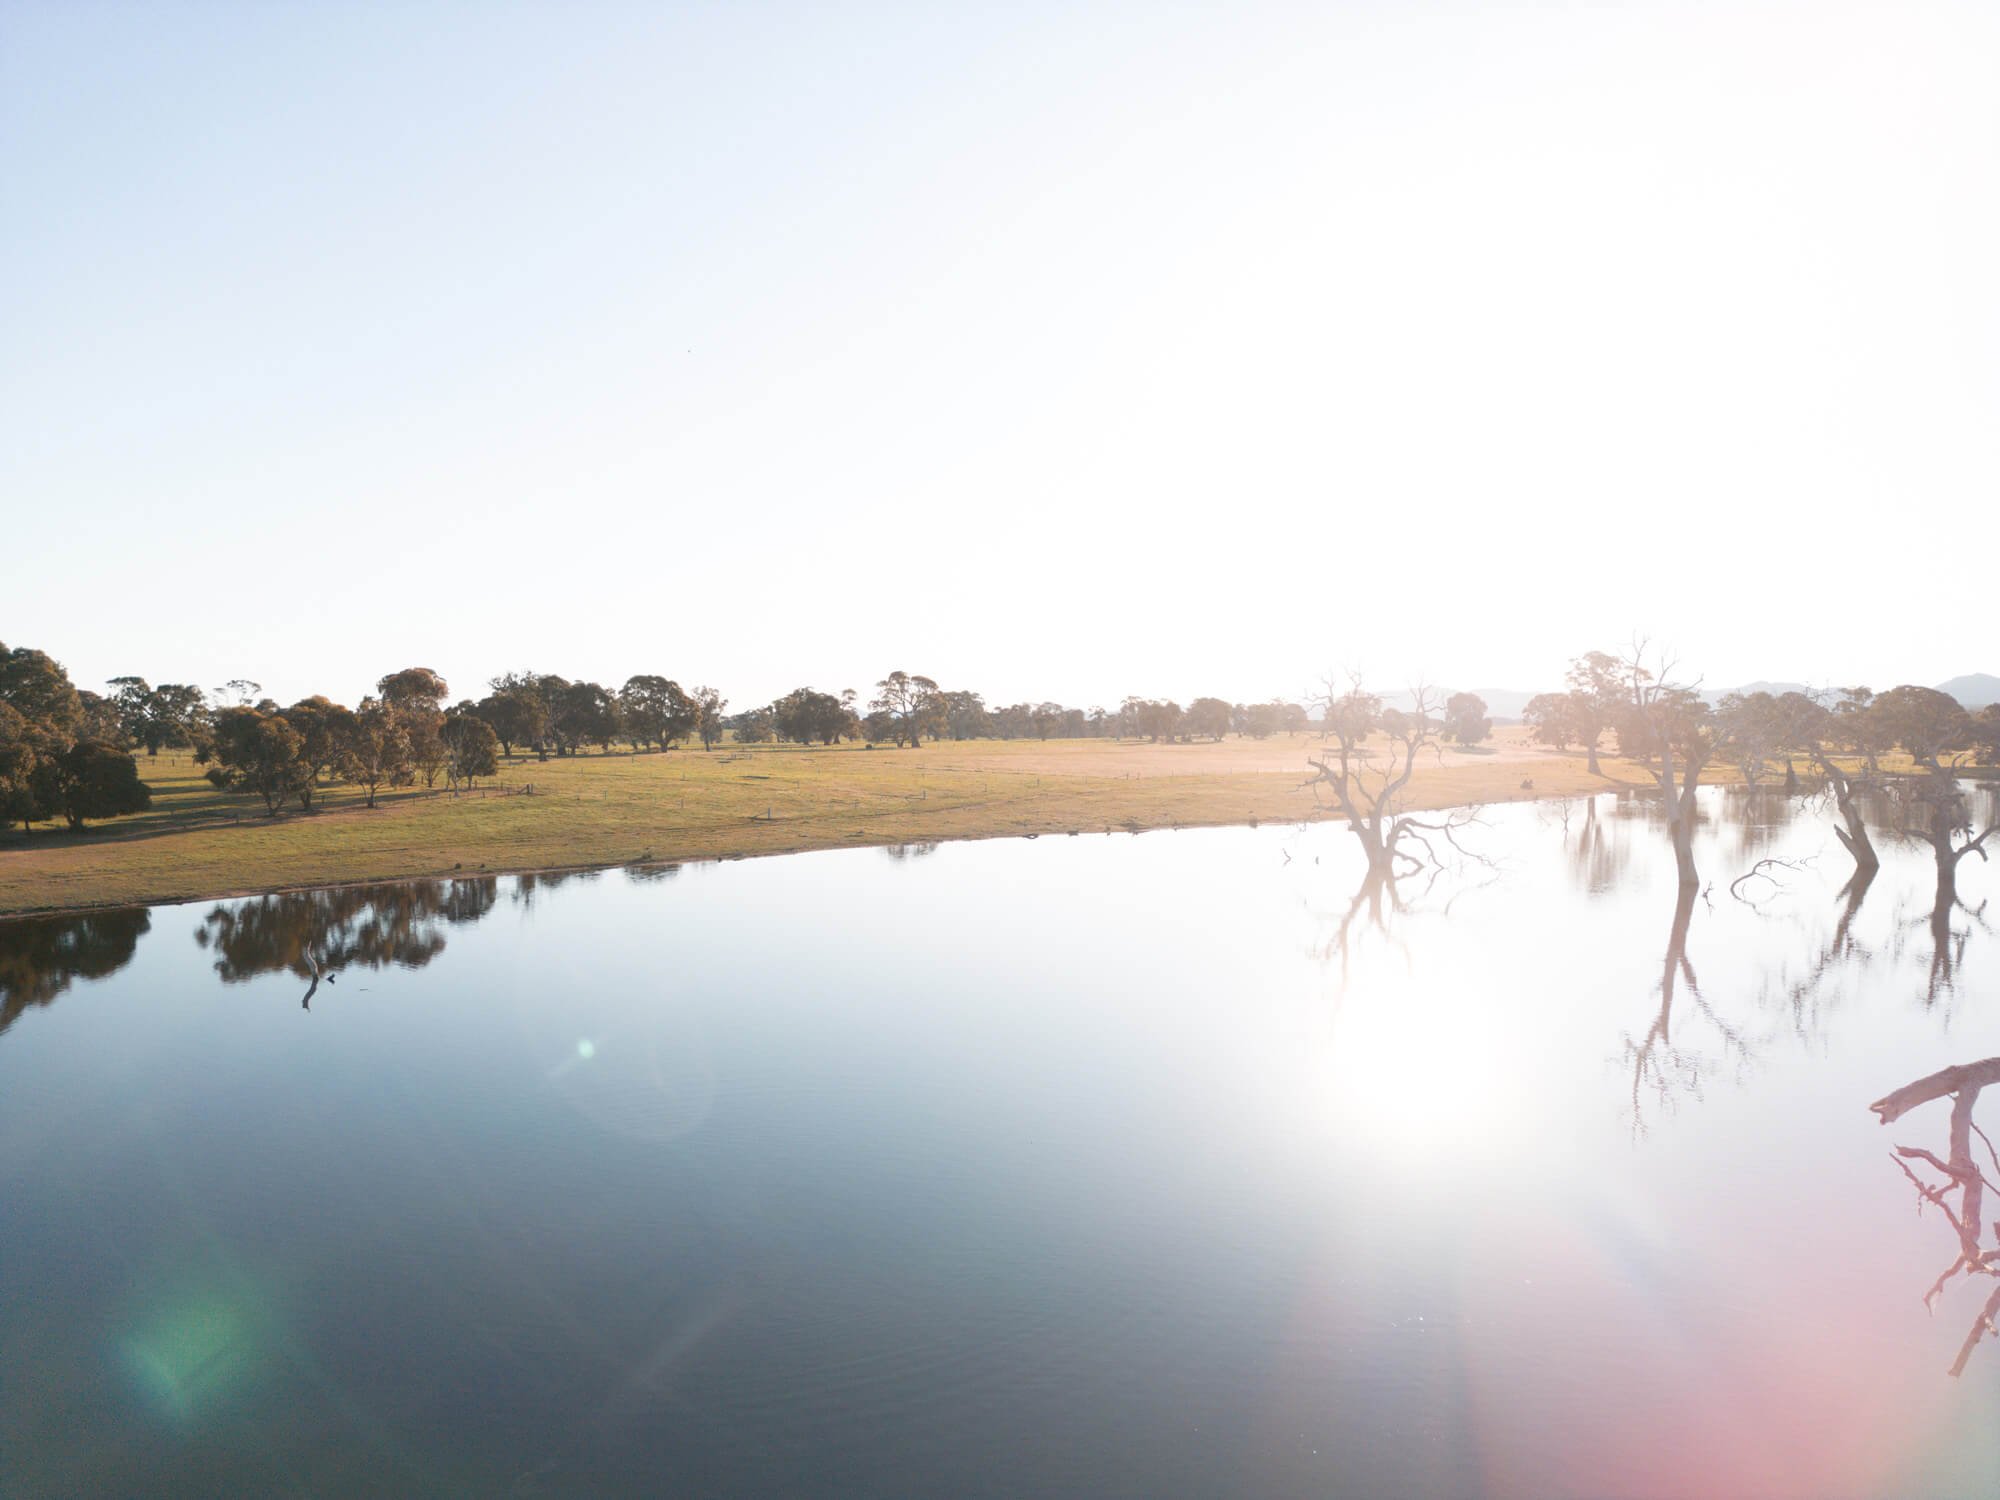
[[1092, 1166]]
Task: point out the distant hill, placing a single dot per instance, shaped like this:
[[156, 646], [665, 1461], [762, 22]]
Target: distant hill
[[1501, 703], [1775, 689], [1507, 704], [1975, 690]]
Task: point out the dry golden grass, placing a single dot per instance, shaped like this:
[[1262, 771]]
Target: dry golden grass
[[733, 801]]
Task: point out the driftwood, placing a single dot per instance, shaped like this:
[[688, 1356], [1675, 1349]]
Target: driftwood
[[1961, 1174]]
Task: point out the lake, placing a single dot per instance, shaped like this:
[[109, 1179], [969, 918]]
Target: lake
[[1104, 1165]]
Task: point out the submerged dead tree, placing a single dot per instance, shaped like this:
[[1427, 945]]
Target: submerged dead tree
[[1962, 1176], [1669, 729], [1935, 809], [1819, 733], [1366, 772]]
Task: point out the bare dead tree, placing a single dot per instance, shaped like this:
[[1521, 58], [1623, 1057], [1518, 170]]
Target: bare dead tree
[[1962, 1176], [1759, 875], [1365, 786]]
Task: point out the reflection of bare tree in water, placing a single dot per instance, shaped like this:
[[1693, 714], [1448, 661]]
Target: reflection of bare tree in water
[[1842, 952], [1659, 1064], [1386, 892], [1937, 811], [1752, 818], [1961, 1176], [1378, 887], [1599, 853], [40, 957], [919, 850], [315, 934]]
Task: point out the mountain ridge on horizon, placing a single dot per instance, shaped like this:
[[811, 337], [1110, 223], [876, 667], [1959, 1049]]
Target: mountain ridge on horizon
[[1975, 690]]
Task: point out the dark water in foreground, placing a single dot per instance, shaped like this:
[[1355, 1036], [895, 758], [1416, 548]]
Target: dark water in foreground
[[1095, 1166]]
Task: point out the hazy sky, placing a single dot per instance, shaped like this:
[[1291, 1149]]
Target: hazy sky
[[1066, 351]]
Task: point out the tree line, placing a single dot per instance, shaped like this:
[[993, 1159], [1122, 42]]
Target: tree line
[[909, 709], [1842, 735], [68, 752]]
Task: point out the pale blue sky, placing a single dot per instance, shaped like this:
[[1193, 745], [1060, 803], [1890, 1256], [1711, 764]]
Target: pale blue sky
[[1061, 351]]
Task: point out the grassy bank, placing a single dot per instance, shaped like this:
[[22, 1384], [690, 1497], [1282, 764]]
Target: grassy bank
[[622, 808]]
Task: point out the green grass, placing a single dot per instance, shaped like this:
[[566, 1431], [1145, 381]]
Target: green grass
[[622, 808]]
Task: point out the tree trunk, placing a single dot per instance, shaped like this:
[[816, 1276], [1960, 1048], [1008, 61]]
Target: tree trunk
[[1592, 768], [1683, 831], [1381, 856]]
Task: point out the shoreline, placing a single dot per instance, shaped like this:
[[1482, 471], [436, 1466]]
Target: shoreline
[[195, 896], [617, 811]]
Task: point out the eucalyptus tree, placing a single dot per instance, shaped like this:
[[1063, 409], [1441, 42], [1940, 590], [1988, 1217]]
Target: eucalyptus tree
[[1155, 719], [132, 701], [20, 767], [584, 713], [1937, 733], [1553, 720], [377, 752], [912, 707], [258, 751], [323, 727], [1209, 717], [515, 711], [965, 716], [413, 688], [1599, 688], [708, 707], [1465, 719], [753, 727], [176, 715], [471, 748], [100, 720], [807, 716], [1817, 731], [1862, 730], [655, 711], [36, 687], [1667, 728], [92, 779]]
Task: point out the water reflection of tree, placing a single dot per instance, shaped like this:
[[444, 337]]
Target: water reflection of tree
[[1377, 894], [1599, 853], [1842, 953], [532, 882], [1962, 1177], [1940, 811], [311, 933], [40, 957], [1387, 892], [1660, 1065]]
